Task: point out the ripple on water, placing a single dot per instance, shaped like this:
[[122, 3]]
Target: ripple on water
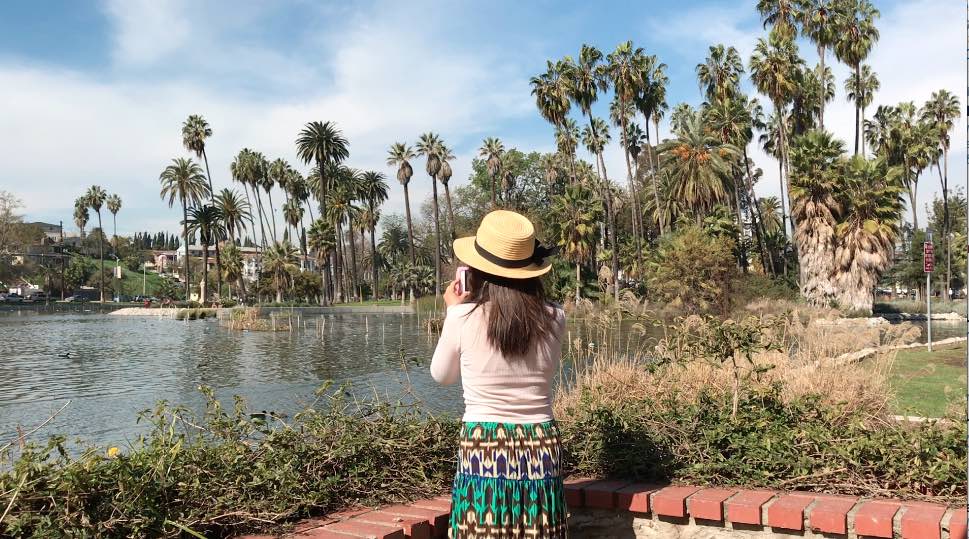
[[121, 365]]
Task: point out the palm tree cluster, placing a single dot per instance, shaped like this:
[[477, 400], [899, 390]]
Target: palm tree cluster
[[347, 201], [702, 174], [96, 198]]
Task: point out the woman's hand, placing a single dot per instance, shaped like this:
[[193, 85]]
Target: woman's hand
[[451, 296]]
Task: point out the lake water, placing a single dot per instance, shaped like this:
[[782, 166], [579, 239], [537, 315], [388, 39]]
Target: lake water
[[120, 365]]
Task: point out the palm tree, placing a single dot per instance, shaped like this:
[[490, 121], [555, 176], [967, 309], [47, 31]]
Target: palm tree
[[856, 35], [280, 263], [774, 68], [235, 212], [939, 112], [492, 151], [719, 75], [781, 14], [340, 210], [551, 91], [860, 87], [399, 156], [447, 155], [206, 221], [374, 190], [320, 240], [183, 179], [429, 146], [625, 68], [817, 19], [871, 198], [113, 203], [322, 144], [232, 267], [567, 140], [576, 212], [195, 130], [81, 215], [699, 167], [243, 169], [293, 214], [95, 197], [814, 188]]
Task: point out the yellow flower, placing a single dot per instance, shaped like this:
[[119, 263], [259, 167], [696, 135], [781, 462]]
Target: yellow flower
[[112, 452]]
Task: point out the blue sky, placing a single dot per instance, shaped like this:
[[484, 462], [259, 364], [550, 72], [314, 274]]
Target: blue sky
[[96, 92]]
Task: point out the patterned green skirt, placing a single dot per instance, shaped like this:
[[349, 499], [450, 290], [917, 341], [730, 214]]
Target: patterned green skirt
[[508, 484]]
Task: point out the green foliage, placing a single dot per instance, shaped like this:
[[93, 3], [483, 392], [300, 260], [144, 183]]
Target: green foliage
[[241, 472], [692, 270], [770, 443]]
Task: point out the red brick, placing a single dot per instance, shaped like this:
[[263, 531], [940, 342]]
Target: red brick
[[830, 514], [431, 503], [744, 508], [256, 537], [602, 494], [635, 497], [874, 518], [310, 523], [788, 511], [367, 529], [348, 513], [414, 527], [573, 491], [957, 524], [922, 521], [708, 503], [671, 501], [439, 519], [320, 533]]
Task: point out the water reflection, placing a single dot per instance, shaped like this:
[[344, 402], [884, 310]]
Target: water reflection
[[121, 365]]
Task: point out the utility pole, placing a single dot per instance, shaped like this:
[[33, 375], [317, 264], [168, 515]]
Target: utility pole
[[62, 260], [928, 264]]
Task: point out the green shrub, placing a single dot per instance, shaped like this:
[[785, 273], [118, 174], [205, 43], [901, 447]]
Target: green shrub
[[233, 473], [799, 444]]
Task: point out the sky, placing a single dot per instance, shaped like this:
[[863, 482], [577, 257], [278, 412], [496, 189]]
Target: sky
[[96, 92]]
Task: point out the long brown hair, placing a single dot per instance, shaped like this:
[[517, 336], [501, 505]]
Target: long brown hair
[[517, 310]]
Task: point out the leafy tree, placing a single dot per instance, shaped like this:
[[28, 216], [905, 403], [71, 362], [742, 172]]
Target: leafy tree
[[693, 270], [576, 213]]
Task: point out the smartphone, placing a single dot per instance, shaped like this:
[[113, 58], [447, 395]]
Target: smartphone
[[461, 276]]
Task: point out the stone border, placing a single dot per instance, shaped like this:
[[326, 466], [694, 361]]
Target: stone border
[[592, 502]]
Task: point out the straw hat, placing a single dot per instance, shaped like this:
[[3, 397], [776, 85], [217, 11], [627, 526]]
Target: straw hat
[[505, 246]]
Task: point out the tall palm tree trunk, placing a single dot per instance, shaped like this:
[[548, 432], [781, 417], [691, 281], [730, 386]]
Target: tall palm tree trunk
[[262, 215], [373, 259], [272, 212], [857, 106], [634, 207], [355, 271], [205, 273], [218, 255], [101, 253], [249, 201], [758, 219], [188, 274], [450, 210], [437, 240], [741, 237], [494, 203], [655, 176], [410, 226], [114, 233], [821, 51]]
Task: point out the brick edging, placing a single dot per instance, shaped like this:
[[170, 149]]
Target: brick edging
[[787, 512], [782, 511]]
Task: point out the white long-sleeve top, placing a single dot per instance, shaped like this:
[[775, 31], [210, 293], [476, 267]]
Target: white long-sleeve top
[[496, 388]]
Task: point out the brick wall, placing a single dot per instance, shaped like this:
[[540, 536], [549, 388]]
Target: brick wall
[[627, 510]]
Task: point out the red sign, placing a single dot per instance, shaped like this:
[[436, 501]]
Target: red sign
[[928, 257]]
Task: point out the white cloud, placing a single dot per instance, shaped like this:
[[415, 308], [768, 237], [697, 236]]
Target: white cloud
[[380, 83]]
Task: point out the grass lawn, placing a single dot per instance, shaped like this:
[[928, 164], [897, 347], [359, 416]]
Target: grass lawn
[[131, 281], [925, 383]]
